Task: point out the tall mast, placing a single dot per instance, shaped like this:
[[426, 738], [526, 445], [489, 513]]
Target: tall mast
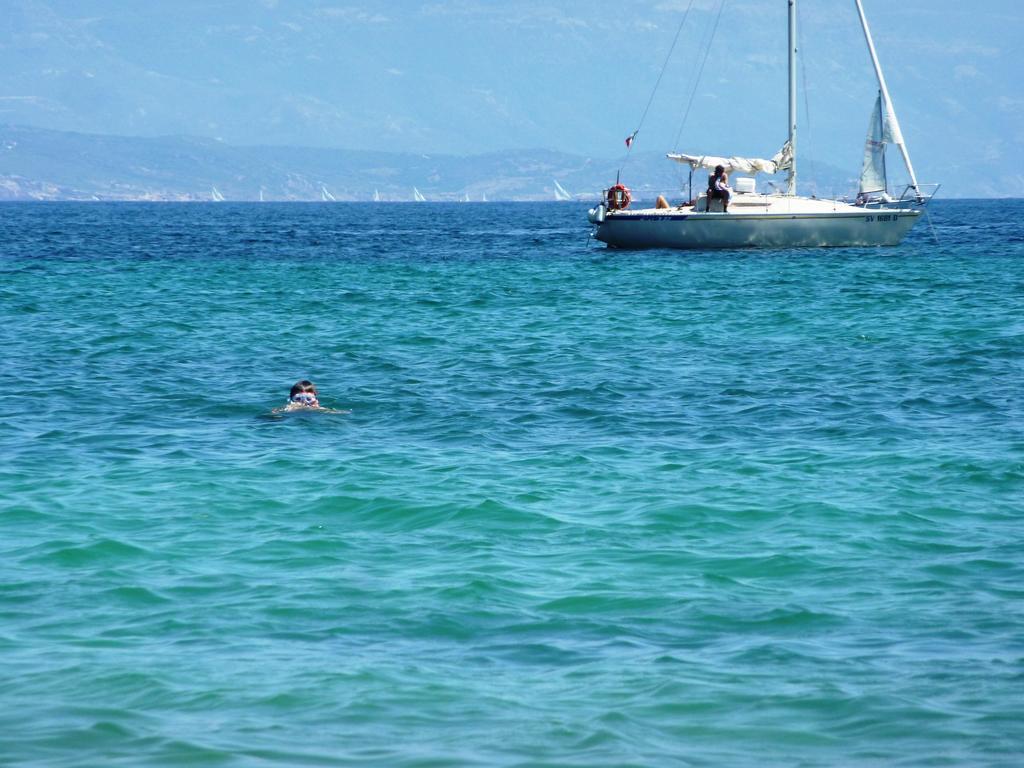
[[894, 126], [791, 179]]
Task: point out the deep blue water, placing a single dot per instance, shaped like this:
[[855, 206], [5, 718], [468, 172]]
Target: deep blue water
[[589, 507]]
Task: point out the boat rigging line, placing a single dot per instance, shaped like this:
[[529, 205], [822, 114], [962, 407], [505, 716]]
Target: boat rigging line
[[706, 48], [700, 72], [928, 218], [664, 66], [806, 133]]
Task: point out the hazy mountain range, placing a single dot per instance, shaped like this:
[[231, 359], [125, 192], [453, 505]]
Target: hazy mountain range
[[480, 78], [38, 164]]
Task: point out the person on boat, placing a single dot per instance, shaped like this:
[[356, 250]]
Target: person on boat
[[718, 188], [304, 397]]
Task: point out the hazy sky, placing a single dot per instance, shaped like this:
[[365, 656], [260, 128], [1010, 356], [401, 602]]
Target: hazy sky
[[467, 76]]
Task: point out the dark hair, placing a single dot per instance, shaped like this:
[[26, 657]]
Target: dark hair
[[302, 386], [719, 170]]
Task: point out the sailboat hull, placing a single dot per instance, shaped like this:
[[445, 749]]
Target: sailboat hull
[[655, 229]]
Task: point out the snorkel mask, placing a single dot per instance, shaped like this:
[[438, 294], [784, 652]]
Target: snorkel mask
[[304, 398]]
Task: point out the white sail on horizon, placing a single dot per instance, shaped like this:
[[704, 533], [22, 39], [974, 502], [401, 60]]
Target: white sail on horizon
[[216, 196], [376, 196], [418, 196], [326, 196], [561, 194]]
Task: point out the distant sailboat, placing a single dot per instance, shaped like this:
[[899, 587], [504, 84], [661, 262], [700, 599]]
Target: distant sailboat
[[561, 194], [376, 196], [483, 197], [418, 196], [216, 196], [465, 198], [326, 196], [261, 195]]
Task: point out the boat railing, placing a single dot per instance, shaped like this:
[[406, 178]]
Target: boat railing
[[920, 195]]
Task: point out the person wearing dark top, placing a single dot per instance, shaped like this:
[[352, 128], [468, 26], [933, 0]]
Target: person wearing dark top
[[718, 188]]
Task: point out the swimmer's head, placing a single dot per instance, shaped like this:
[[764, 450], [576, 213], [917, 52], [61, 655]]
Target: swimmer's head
[[304, 393]]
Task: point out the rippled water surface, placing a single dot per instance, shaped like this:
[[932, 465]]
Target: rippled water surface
[[589, 507]]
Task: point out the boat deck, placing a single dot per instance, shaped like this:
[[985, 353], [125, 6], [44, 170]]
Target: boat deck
[[749, 203]]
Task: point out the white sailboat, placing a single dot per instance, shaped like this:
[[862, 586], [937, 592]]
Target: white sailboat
[[561, 194], [216, 196], [483, 197], [465, 197], [777, 219], [261, 195], [326, 196], [376, 196], [418, 196]]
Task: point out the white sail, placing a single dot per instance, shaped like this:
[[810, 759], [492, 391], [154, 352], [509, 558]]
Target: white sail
[[465, 198], [872, 174], [326, 196], [782, 161], [561, 194], [418, 196], [896, 135], [483, 197], [261, 194], [376, 196], [216, 196]]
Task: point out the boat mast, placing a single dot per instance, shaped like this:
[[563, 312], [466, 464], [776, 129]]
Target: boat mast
[[894, 126], [791, 179]]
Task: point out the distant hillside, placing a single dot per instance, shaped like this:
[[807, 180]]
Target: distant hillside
[[37, 164]]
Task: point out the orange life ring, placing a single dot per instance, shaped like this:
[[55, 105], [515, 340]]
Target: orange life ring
[[618, 198]]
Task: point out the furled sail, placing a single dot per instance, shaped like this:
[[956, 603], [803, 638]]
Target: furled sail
[[782, 161], [881, 131]]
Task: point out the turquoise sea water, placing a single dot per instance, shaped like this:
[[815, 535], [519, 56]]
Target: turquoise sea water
[[590, 507]]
